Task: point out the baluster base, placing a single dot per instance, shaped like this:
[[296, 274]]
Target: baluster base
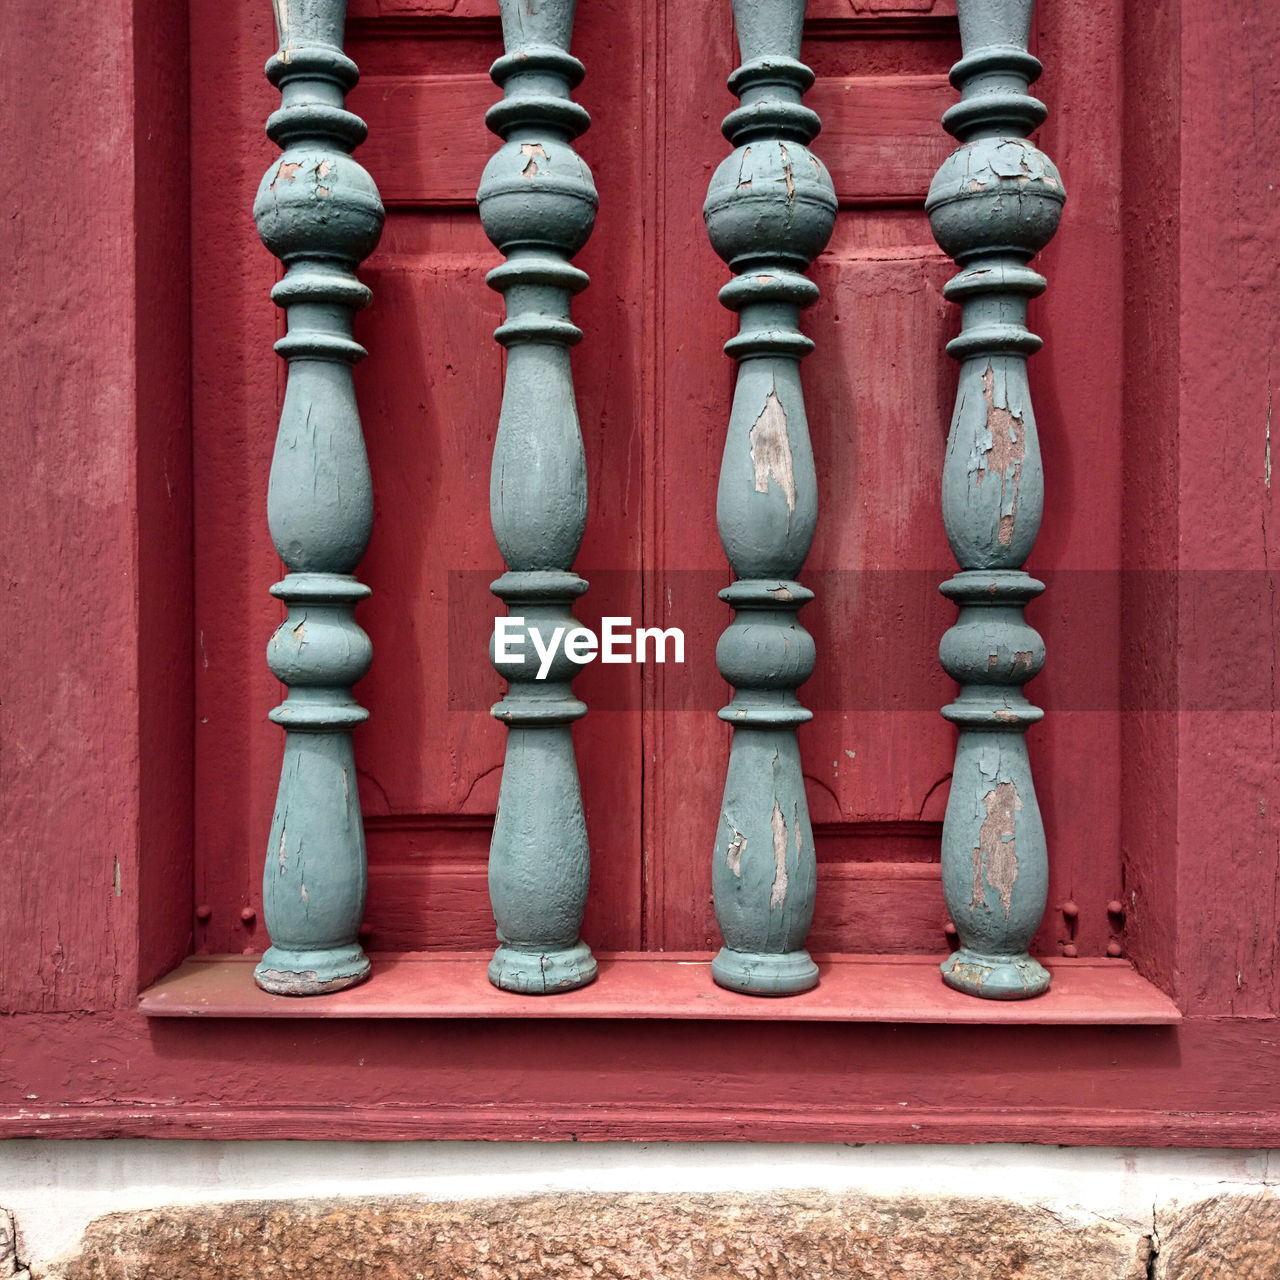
[[755, 973], [542, 973], [311, 973], [995, 977]]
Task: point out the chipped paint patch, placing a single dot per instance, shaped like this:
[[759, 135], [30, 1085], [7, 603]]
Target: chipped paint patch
[[1266, 452], [733, 856], [995, 856], [1004, 456], [532, 150], [972, 975], [778, 894], [771, 450], [787, 176]]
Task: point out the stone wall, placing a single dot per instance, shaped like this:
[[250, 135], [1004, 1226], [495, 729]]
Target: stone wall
[[1063, 1215]]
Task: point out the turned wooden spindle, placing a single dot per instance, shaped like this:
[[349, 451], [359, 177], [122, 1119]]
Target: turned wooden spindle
[[770, 210], [993, 205], [537, 204], [319, 212]]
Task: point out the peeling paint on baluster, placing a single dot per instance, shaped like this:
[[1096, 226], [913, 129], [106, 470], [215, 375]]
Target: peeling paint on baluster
[[994, 204], [537, 204], [770, 210], [319, 212]]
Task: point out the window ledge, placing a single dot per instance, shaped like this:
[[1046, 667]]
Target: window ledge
[[669, 985]]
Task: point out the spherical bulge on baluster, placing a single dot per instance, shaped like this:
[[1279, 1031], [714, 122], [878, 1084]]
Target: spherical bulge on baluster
[[318, 203], [995, 194], [538, 193], [765, 653], [323, 648], [770, 200], [997, 652]]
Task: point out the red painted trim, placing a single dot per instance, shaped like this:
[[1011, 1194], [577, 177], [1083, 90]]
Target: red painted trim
[[95, 434], [1203, 1081], [1056, 1126], [165, 595], [670, 986]]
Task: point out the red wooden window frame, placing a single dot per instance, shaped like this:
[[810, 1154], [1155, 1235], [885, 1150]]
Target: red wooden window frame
[[102, 808]]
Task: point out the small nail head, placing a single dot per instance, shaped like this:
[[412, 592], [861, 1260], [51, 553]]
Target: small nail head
[[204, 911]]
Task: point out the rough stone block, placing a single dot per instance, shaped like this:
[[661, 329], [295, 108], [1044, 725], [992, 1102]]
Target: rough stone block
[[782, 1236], [1226, 1238]]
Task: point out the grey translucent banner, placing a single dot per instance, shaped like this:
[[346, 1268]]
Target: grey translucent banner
[[1129, 640]]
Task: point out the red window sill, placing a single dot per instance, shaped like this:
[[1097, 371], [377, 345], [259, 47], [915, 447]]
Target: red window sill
[[667, 985]]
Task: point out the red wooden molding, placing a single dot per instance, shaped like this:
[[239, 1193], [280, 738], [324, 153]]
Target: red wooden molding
[[1086, 992]]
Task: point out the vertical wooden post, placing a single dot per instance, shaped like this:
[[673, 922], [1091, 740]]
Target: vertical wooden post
[[537, 203], [319, 212], [993, 205], [770, 210]]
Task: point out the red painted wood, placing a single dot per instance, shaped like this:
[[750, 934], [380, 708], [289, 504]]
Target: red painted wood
[[1151, 204], [1228, 899], [629, 1122], [94, 711], [1152, 393], [671, 986], [162, 467], [235, 383], [1208, 1081]]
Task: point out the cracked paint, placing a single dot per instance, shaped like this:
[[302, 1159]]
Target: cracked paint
[[771, 449], [778, 894], [1003, 455], [995, 856], [786, 171], [733, 856]]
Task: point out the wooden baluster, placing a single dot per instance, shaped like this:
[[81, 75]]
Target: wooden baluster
[[770, 211], [319, 212], [994, 204], [538, 203]]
